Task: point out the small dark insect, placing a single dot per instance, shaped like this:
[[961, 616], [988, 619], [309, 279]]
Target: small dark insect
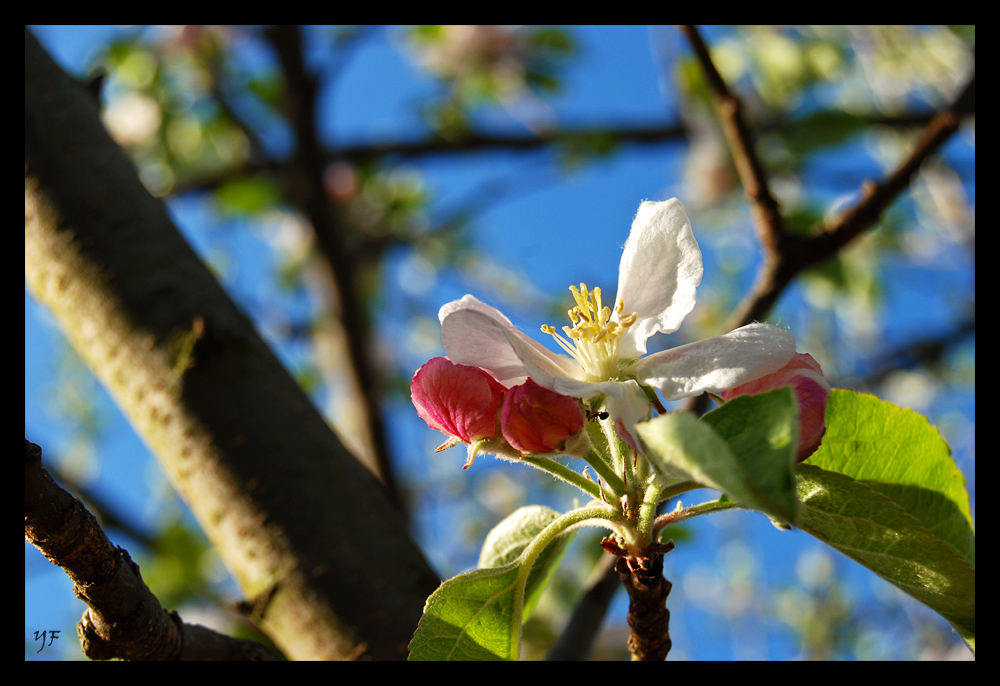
[[597, 415]]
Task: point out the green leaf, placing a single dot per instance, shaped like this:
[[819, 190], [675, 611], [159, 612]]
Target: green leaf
[[884, 490], [744, 450], [475, 616], [508, 539], [896, 452], [876, 532]]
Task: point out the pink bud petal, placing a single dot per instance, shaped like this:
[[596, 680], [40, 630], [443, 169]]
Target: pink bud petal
[[812, 391], [456, 399], [537, 420]]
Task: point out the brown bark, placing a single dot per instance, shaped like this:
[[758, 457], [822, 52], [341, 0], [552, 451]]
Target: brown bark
[[648, 616], [308, 533]]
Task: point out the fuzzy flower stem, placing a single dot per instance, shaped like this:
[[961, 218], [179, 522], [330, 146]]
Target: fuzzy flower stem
[[665, 520], [618, 458], [563, 472], [647, 513], [614, 483]]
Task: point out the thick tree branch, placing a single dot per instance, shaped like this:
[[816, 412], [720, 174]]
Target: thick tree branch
[[124, 620], [307, 531]]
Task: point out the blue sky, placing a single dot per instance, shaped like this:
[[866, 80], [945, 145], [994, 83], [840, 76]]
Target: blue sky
[[553, 229]]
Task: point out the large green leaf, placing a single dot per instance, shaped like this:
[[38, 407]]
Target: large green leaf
[[744, 449], [508, 539], [884, 490], [896, 452], [871, 529]]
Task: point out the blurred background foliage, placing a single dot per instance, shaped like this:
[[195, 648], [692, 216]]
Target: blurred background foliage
[[208, 115]]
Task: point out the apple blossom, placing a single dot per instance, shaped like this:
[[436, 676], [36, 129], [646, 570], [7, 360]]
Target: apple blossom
[[659, 273], [537, 420], [812, 391]]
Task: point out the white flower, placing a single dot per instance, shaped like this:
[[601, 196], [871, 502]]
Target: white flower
[[659, 273]]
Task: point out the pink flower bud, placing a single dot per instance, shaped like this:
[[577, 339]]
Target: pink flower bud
[[805, 376], [456, 399], [537, 420]]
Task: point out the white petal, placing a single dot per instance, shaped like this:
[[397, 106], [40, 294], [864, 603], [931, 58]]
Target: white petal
[[717, 364], [470, 302], [659, 273], [476, 334]]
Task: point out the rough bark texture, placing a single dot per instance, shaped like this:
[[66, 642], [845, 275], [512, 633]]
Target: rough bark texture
[[321, 555], [648, 616]]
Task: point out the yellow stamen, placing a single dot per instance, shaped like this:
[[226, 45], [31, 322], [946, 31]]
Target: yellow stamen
[[593, 338]]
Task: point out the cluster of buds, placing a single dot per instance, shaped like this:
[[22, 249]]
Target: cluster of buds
[[469, 406]]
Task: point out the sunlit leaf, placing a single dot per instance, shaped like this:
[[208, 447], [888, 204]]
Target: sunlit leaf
[[475, 616], [882, 536], [884, 490], [897, 453]]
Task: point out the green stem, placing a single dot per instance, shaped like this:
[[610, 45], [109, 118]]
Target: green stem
[[647, 513], [677, 488], [587, 516], [561, 471], [605, 471], [614, 447], [665, 520]]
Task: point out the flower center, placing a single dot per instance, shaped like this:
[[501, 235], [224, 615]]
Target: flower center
[[593, 338]]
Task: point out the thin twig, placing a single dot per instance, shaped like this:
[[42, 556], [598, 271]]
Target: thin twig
[[786, 255], [767, 218], [306, 180], [436, 147]]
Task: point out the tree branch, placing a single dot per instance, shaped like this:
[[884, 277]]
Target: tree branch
[[787, 255], [306, 530], [304, 185], [648, 616], [124, 620], [472, 142], [767, 218]]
